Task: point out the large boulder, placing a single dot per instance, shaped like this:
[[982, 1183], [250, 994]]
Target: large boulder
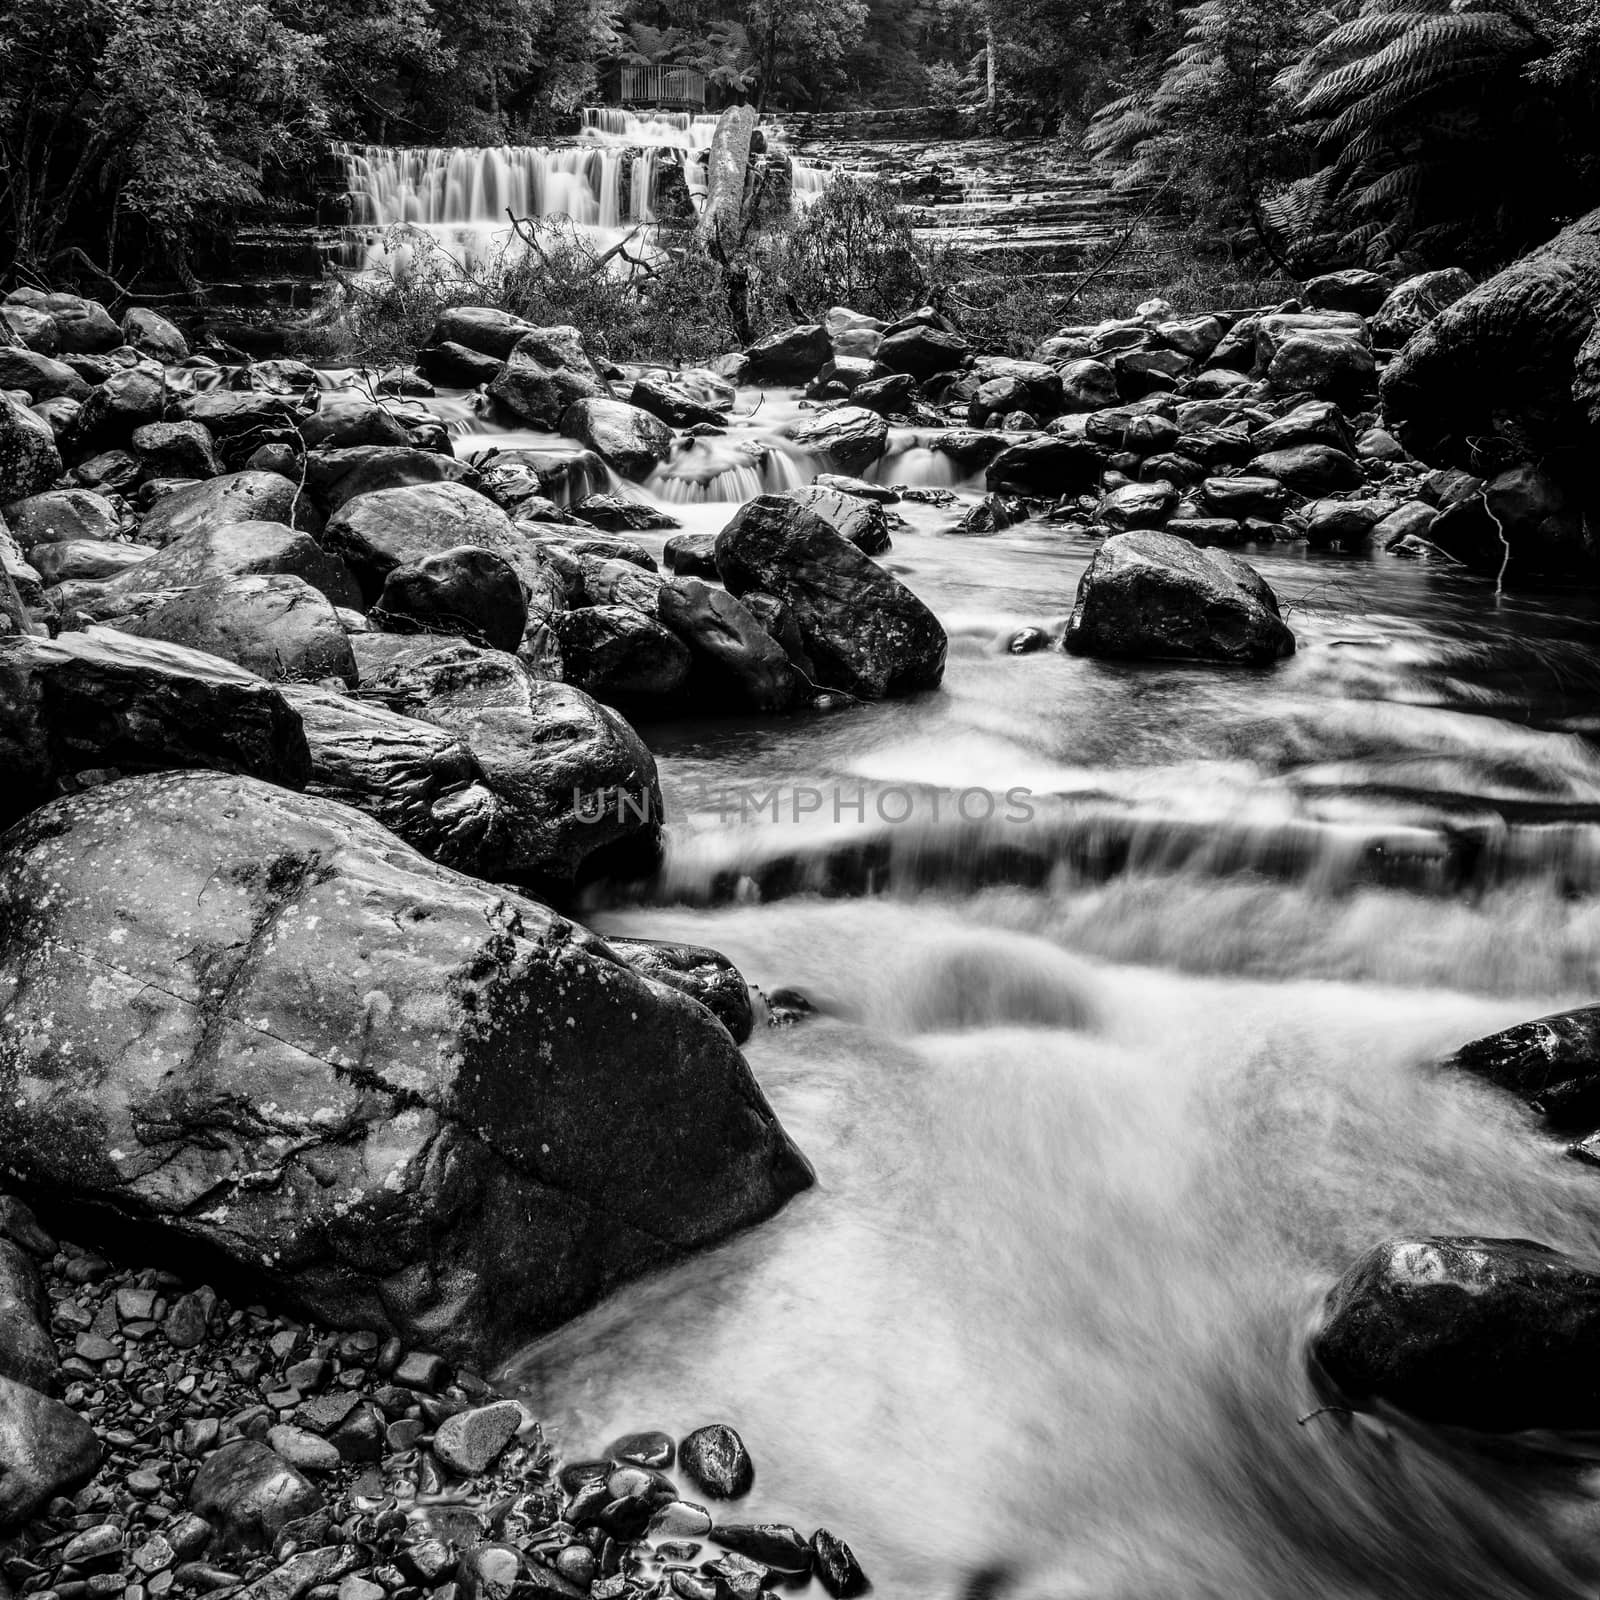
[[846, 439], [39, 376], [1150, 594], [791, 355], [1494, 1334], [1489, 381], [60, 514], [546, 372], [1410, 306], [1329, 364], [1551, 1063], [480, 328], [175, 450], [621, 654], [736, 663], [152, 335], [578, 785], [863, 522], [29, 459], [678, 403], [922, 351], [350, 424], [234, 497], [400, 1098], [1524, 525], [1046, 465], [624, 436], [46, 1449], [464, 589], [273, 624], [241, 550], [864, 630], [98, 700], [85, 327], [335, 475]]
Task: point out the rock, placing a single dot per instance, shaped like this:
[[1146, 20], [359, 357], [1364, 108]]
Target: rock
[[303, 1451], [61, 514], [239, 422], [38, 375], [711, 978], [836, 1566], [680, 404], [691, 555], [862, 628], [716, 1461], [615, 513], [1329, 364], [418, 780], [1153, 594], [1489, 380], [1552, 1064], [845, 439], [481, 329], [207, 506], [624, 436], [464, 590], [67, 560], [347, 424], [151, 334], [1314, 422], [618, 653], [1414, 520], [471, 1442], [45, 1450], [863, 522], [892, 396], [27, 1352], [175, 450], [1342, 524], [774, 1544], [490, 1572], [1410, 306], [651, 1448], [792, 355], [249, 1494], [274, 625], [1314, 469], [922, 351], [578, 787], [336, 476], [458, 366], [240, 550], [1087, 385], [112, 410], [1353, 289], [98, 699], [1046, 465], [460, 1190], [546, 372], [32, 328], [1138, 505], [1523, 525], [1493, 1334], [735, 663], [29, 459]]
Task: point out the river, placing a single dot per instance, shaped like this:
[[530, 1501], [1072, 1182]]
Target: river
[[1101, 1101]]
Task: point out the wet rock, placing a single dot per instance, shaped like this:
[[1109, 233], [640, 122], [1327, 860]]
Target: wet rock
[[1087, 385], [691, 555], [1551, 1063], [617, 513], [680, 404], [151, 334], [480, 328], [734, 661], [737, 1577], [1342, 524], [302, 1450], [99, 699], [863, 630], [546, 372], [114, 409], [1493, 1334], [249, 1494], [464, 590], [39, 376], [175, 450], [347, 423], [1138, 505], [1352, 289], [619, 654], [891, 396], [1410, 306], [472, 1441], [241, 550], [716, 1461], [1149, 594], [774, 1544], [61, 514], [239, 422], [624, 436], [863, 522], [1046, 465], [29, 459], [428, 1157], [1522, 524], [1314, 469], [653, 1448], [204, 507], [45, 1450], [836, 1567], [1413, 521], [922, 351], [790, 356], [490, 1572], [711, 978], [539, 744], [1329, 364], [335, 476], [85, 560], [846, 439], [458, 366], [276, 626], [27, 1353]]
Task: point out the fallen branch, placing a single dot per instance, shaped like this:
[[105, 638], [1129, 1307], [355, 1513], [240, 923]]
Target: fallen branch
[[1116, 249]]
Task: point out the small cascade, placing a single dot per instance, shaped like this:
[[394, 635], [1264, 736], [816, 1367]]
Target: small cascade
[[660, 130], [810, 179]]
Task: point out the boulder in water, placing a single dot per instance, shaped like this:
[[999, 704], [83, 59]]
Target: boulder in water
[[350, 423], [735, 662], [1493, 1334], [1551, 1063], [620, 655], [705, 975], [546, 372], [624, 436], [376, 532], [1149, 594], [96, 700], [481, 329], [862, 628], [1046, 465], [792, 355], [845, 439], [862, 521], [922, 351], [680, 404], [450, 1096]]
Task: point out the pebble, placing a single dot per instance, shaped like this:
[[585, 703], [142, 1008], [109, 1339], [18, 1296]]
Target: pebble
[[773, 1544], [154, 1555], [836, 1566], [647, 1449], [679, 1519], [716, 1459], [302, 1449], [419, 1370], [92, 1545], [471, 1442]]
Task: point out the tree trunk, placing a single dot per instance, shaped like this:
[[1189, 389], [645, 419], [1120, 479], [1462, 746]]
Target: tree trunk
[[989, 55]]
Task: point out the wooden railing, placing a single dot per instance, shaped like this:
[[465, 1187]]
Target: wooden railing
[[663, 86]]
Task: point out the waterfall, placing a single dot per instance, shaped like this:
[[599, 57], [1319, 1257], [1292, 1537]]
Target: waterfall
[[810, 179], [660, 130]]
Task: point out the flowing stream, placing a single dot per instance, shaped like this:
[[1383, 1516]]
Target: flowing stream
[[1101, 1099]]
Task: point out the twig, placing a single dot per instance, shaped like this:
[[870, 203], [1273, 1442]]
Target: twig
[[1324, 1411], [1117, 248]]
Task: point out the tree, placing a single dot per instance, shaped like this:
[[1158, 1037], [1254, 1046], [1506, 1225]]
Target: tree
[[803, 47]]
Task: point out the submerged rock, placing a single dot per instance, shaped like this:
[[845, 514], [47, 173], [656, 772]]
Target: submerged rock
[[399, 1097], [1150, 594], [1552, 1064], [1494, 1334]]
